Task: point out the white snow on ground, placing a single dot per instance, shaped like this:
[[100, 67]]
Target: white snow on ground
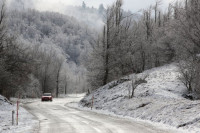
[[25, 100], [27, 123], [159, 100], [78, 95]]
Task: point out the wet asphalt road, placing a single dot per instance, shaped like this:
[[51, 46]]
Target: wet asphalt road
[[54, 117]]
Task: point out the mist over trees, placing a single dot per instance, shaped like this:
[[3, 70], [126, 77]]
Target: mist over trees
[[53, 29], [92, 17]]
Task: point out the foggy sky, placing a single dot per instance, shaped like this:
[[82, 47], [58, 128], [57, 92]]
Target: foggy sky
[[132, 5]]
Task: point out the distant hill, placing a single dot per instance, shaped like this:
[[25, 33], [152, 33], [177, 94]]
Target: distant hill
[[46, 28]]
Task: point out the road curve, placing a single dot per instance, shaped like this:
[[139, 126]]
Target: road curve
[[54, 117]]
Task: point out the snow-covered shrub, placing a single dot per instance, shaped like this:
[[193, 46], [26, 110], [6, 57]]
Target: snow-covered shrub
[[188, 73], [190, 76], [135, 82]]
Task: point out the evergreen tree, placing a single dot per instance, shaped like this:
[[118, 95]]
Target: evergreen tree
[[83, 5], [101, 9]]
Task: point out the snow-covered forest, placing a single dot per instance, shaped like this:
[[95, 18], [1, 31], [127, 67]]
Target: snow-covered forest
[[44, 51], [65, 52]]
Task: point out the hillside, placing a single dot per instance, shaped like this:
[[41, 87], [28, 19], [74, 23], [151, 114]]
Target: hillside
[[159, 100]]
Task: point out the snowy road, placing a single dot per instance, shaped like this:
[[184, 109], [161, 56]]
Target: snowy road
[[56, 118]]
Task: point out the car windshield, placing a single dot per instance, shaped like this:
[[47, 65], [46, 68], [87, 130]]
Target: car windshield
[[47, 94]]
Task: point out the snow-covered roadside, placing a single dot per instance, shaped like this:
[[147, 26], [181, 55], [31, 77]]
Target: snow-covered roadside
[[24, 101], [106, 112], [27, 122], [78, 95], [159, 100]]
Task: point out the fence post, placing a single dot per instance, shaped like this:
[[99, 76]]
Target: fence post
[[17, 111], [13, 112]]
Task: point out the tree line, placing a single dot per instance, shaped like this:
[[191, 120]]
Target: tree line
[[131, 43]]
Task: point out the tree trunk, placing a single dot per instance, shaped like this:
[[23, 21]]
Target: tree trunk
[[133, 89], [105, 80], [65, 88], [57, 82], [44, 83], [190, 87]]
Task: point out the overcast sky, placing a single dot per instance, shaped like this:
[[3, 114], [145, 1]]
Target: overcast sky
[[132, 5]]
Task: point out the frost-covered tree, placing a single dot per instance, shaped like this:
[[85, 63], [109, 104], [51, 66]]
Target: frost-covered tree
[[14, 59]]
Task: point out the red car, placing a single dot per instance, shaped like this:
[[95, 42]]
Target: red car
[[47, 97]]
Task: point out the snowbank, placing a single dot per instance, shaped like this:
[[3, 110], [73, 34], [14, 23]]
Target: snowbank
[[27, 123], [78, 95], [159, 100]]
